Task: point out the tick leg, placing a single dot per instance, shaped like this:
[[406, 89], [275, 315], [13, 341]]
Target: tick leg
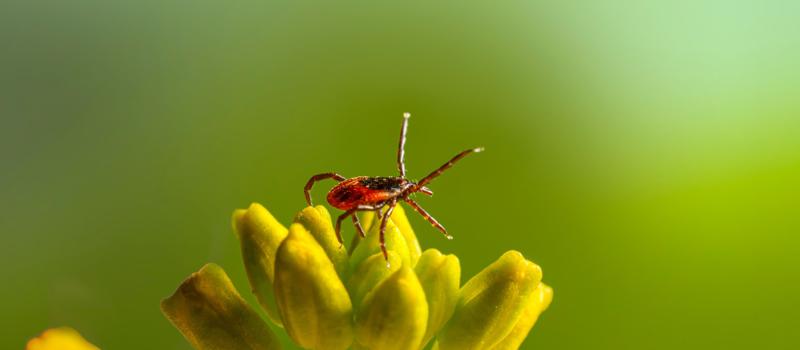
[[339, 225], [320, 177], [356, 222], [401, 147], [359, 229], [446, 166], [426, 191], [383, 229], [428, 217]]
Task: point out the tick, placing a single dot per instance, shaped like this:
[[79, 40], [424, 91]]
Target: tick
[[366, 193]]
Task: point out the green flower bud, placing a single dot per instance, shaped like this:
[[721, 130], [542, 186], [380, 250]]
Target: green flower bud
[[369, 274], [394, 314], [317, 221], [209, 312], [491, 303], [400, 220], [538, 302], [439, 276], [369, 246], [259, 236], [313, 303]]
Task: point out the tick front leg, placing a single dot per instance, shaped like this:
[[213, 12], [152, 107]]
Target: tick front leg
[[383, 229], [320, 177], [428, 217], [339, 225], [401, 147]]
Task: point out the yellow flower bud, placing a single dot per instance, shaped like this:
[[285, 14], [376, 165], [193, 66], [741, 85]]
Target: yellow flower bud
[[394, 314], [439, 276], [259, 236], [63, 338], [400, 220], [491, 303], [538, 301], [395, 241], [369, 274], [212, 315], [317, 221], [313, 303]]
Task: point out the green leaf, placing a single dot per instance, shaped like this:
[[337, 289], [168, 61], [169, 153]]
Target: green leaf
[[212, 315]]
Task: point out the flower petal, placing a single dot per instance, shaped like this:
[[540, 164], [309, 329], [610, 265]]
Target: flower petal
[[211, 314], [62, 338], [539, 301], [439, 276], [313, 303], [259, 236], [317, 221], [394, 314], [491, 303]]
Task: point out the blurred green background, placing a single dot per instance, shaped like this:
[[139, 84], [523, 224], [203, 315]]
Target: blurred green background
[[645, 154]]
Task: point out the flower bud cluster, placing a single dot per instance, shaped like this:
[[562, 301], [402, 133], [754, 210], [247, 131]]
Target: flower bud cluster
[[327, 298]]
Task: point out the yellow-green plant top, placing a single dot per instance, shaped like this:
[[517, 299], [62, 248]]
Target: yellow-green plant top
[[63, 338], [327, 298]]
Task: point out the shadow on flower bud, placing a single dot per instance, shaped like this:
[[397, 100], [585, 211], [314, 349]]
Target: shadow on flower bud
[[209, 312], [395, 241], [313, 303], [62, 338], [400, 220], [317, 221], [440, 276], [538, 302], [367, 218], [259, 236], [491, 303], [394, 315]]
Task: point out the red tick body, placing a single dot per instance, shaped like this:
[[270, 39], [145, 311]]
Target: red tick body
[[362, 190], [364, 193]]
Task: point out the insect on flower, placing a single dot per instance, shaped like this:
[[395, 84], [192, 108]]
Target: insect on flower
[[365, 193]]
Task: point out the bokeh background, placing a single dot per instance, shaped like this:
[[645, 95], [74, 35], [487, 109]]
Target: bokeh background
[[646, 154]]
